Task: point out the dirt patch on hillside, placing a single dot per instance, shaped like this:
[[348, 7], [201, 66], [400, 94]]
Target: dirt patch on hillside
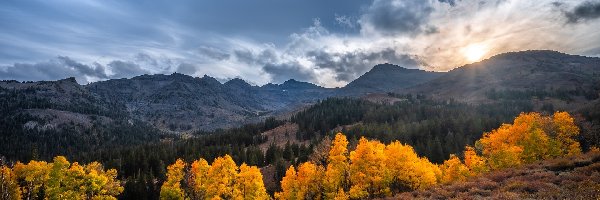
[[281, 135]]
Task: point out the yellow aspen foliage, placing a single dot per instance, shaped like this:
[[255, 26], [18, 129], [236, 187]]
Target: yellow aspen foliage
[[475, 163], [9, 189], [289, 186], [341, 195], [535, 146], [368, 174], [34, 174], [171, 188], [222, 175], [454, 170], [63, 180], [336, 173], [428, 174], [56, 178], [308, 174], [531, 137], [198, 179], [249, 184], [406, 169], [101, 184], [566, 133]]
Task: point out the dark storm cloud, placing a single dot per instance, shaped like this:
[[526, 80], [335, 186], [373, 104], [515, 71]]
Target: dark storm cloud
[[397, 17], [62, 67], [122, 69], [585, 11], [96, 71], [282, 72], [261, 58], [348, 66], [451, 2], [59, 68]]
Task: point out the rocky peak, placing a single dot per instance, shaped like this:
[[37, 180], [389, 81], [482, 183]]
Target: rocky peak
[[294, 84], [386, 68], [237, 82]]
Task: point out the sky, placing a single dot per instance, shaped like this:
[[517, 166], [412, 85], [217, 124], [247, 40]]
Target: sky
[[326, 42]]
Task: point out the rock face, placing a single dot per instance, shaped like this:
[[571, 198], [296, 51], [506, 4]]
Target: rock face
[[179, 102], [388, 77]]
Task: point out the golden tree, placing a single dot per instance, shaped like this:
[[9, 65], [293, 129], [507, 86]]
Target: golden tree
[[566, 133], [34, 174], [249, 184], [531, 137], [171, 188], [308, 174], [454, 170], [289, 185], [336, 173], [475, 163], [101, 184], [198, 178], [9, 189], [406, 169], [222, 174], [368, 173]]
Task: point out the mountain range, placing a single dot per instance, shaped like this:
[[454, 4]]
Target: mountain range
[[181, 103]]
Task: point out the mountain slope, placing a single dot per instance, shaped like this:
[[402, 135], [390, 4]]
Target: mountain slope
[[539, 73], [388, 77], [179, 102], [575, 177]]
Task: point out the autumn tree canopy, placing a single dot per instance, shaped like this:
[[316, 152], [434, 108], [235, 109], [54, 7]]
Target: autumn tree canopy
[[374, 169], [59, 179], [221, 180]]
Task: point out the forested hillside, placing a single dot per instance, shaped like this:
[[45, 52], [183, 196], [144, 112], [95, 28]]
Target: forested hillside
[[140, 126]]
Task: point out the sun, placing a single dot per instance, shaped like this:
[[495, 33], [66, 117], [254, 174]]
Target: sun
[[474, 52]]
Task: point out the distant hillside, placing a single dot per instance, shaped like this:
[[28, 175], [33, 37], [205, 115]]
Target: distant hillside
[[180, 102], [519, 75], [388, 77], [47, 118]]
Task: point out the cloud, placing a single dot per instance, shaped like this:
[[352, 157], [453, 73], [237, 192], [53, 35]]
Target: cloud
[[345, 21], [186, 68], [292, 70], [213, 53], [350, 65], [451, 2], [585, 11], [63, 67], [58, 68], [96, 71], [396, 16], [123, 69], [344, 40]]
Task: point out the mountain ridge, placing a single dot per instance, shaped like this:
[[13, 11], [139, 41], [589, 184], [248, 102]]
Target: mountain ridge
[[532, 70], [182, 103]]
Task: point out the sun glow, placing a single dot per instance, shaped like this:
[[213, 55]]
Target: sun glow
[[474, 52]]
